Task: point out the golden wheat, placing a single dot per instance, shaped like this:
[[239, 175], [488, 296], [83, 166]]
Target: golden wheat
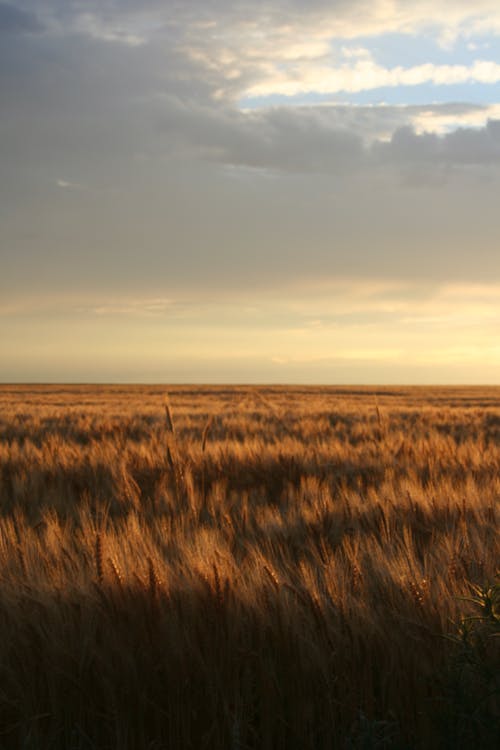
[[286, 583]]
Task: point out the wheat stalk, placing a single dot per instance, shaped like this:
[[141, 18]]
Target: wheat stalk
[[169, 422], [99, 559]]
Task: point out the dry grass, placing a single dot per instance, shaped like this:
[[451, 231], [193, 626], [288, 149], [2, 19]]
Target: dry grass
[[244, 568]]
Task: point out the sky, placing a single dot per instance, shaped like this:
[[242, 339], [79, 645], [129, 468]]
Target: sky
[[250, 192]]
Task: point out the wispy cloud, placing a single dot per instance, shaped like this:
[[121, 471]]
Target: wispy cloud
[[156, 306], [446, 119], [107, 30], [365, 75], [69, 185]]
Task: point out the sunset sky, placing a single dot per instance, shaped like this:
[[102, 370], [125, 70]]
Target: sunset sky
[[276, 191]]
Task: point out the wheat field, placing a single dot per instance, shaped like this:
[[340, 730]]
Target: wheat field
[[249, 567]]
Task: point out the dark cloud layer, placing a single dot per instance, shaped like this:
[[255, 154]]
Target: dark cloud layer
[[312, 139], [461, 146]]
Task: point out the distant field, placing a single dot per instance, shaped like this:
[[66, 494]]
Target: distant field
[[272, 567]]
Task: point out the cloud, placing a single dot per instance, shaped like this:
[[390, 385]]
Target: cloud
[[14, 20], [335, 139], [407, 330], [263, 53], [189, 191], [459, 147], [88, 24], [207, 227], [156, 306], [365, 75], [297, 141], [69, 185], [450, 117]]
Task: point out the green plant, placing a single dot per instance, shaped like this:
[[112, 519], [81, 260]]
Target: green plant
[[470, 715]]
